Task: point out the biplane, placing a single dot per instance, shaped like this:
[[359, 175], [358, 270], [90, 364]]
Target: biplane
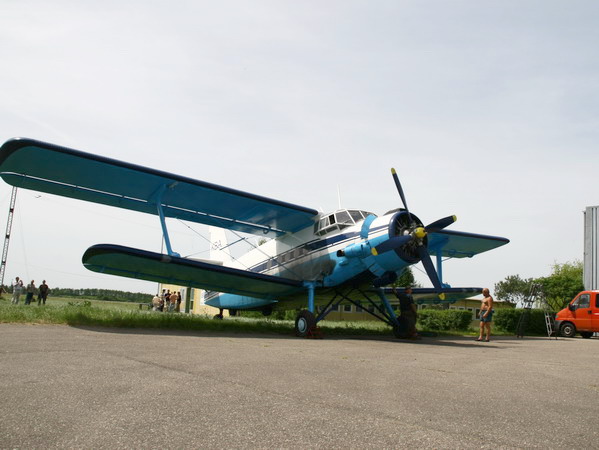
[[310, 262]]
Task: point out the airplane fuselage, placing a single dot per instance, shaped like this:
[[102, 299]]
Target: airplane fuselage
[[331, 256]]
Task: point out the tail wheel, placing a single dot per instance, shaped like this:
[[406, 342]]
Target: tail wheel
[[567, 329], [304, 322]]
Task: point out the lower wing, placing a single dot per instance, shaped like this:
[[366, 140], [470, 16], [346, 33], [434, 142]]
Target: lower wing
[[149, 266]]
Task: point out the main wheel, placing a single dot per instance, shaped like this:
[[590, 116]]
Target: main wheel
[[567, 329], [266, 311], [586, 334], [304, 322], [232, 312]]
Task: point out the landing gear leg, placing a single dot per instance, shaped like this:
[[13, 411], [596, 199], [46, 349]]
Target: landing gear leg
[[400, 327], [219, 316], [304, 322]]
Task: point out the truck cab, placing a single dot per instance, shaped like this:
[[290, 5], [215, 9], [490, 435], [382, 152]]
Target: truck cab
[[580, 316]]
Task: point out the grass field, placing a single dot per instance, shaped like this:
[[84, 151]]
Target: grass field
[[71, 311]]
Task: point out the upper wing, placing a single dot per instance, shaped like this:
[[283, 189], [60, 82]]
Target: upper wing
[[458, 244], [71, 173], [144, 265]]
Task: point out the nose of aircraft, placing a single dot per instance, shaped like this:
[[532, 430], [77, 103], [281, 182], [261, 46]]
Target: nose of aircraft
[[416, 234]]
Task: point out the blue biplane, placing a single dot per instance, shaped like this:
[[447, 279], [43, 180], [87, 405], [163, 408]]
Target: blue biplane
[[313, 263]]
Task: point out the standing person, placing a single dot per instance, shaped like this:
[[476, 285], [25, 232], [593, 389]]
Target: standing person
[[156, 303], [162, 300], [30, 290], [167, 301], [17, 288], [173, 302], [43, 293], [178, 308], [407, 310], [486, 316]]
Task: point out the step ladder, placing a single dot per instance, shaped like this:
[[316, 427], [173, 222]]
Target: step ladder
[[527, 303], [549, 322]]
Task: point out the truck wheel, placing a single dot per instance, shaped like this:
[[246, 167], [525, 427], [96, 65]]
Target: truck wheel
[[586, 334], [567, 329]]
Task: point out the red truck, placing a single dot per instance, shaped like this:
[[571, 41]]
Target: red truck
[[580, 316]]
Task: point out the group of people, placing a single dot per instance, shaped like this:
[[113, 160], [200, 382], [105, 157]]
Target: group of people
[[167, 301], [30, 291], [408, 314]]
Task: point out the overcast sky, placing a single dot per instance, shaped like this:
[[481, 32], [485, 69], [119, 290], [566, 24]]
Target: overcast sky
[[488, 110]]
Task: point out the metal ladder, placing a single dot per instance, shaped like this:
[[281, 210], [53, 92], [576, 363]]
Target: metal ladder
[[549, 321], [528, 302], [11, 210]]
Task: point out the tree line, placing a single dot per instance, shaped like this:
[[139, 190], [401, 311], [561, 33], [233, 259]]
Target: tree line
[[96, 294], [101, 294], [561, 286]]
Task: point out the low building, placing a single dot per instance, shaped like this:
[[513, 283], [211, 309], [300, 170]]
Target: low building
[[195, 303]]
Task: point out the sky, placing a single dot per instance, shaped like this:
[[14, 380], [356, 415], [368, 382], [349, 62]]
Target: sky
[[488, 110]]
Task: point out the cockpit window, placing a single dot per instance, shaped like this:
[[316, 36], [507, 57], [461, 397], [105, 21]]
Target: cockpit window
[[356, 215], [343, 217], [339, 220]]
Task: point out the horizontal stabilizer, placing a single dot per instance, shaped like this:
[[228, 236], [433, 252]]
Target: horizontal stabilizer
[[149, 266], [430, 295], [44, 167]]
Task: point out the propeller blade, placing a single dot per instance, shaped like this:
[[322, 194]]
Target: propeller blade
[[441, 223], [430, 270], [391, 244], [399, 189]]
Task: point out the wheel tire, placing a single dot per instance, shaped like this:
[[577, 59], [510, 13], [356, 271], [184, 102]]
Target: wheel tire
[[304, 322], [232, 312], [218, 317], [586, 334], [400, 331], [266, 311], [567, 330]]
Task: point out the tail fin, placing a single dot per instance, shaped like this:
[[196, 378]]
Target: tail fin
[[219, 250]]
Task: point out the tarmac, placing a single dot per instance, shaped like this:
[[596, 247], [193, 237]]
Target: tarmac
[[68, 387]]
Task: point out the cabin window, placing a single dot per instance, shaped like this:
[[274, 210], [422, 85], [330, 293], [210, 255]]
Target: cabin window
[[346, 308], [335, 308]]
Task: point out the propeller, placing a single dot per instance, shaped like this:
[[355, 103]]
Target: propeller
[[400, 190], [416, 234]]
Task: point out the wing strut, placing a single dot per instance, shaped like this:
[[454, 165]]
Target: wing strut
[[158, 196]]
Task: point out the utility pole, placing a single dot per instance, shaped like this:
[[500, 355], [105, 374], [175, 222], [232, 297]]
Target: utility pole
[[11, 211]]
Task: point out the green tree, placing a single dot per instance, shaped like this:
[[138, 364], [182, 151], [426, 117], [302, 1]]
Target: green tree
[[563, 284], [513, 289], [406, 279]]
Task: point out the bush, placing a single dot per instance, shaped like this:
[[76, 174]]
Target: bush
[[444, 320], [506, 319]]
